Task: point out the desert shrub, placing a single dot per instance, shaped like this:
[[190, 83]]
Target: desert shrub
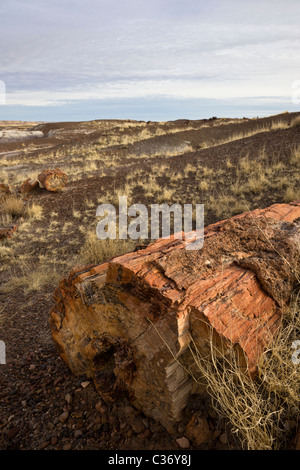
[[13, 206], [292, 194], [295, 155], [295, 122], [279, 125], [35, 211], [203, 185], [96, 251]]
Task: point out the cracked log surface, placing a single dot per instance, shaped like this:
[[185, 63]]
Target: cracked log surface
[[53, 180], [127, 323], [28, 185]]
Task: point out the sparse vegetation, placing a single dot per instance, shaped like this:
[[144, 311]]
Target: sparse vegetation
[[295, 122], [96, 251], [30, 277], [13, 206], [277, 125], [295, 156], [35, 211], [260, 409]]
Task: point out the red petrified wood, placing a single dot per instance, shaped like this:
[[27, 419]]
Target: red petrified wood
[[7, 232], [4, 191], [53, 180], [28, 185], [128, 323]]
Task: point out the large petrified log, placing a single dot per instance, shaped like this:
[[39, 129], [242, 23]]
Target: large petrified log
[[128, 322], [53, 180]]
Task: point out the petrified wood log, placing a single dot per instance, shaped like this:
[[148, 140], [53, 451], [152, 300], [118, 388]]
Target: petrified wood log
[[128, 322], [28, 186], [53, 180], [7, 232], [4, 191]]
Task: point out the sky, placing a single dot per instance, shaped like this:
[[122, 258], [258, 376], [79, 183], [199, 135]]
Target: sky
[[72, 60]]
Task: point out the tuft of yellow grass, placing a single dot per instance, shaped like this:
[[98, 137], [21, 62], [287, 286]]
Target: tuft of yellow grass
[[295, 122], [203, 185], [32, 277], [277, 125], [34, 212], [13, 206], [292, 193], [96, 251], [295, 155]]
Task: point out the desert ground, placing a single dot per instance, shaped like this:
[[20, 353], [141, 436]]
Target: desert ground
[[229, 165]]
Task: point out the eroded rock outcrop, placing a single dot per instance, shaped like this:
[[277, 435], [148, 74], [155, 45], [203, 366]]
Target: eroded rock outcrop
[[128, 322], [17, 135]]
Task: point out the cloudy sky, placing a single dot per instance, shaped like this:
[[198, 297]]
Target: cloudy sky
[[147, 59]]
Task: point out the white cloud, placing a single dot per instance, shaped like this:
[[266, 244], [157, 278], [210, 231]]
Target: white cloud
[[101, 49]]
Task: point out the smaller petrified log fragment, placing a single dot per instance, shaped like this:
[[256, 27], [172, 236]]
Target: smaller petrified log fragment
[[4, 191], [53, 180], [28, 186], [7, 232]]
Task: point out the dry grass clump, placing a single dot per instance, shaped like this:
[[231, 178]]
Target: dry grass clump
[[292, 193], [277, 125], [32, 277], [260, 410], [203, 185], [295, 155], [227, 205], [165, 196], [13, 206], [34, 212], [5, 252], [295, 122], [96, 251]]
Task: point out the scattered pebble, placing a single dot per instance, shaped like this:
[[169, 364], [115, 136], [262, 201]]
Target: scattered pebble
[[68, 398], [223, 438], [63, 417], [138, 425], [183, 442], [85, 384]]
